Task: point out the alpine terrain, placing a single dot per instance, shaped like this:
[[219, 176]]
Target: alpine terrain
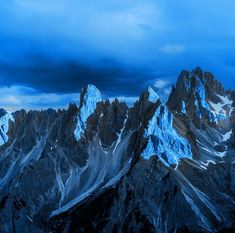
[[102, 166]]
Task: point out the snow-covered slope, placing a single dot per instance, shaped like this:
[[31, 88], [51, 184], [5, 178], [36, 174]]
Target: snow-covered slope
[[163, 140]]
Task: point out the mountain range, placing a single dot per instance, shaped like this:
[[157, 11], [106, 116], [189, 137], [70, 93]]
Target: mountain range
[[102, 166]]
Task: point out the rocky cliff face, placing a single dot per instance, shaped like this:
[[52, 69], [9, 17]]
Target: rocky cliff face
[[104, 167], [201, 98]]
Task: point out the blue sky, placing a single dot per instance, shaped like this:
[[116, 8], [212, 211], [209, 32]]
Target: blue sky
[[50, 49]]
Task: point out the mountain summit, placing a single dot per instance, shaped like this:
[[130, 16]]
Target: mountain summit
[[201, 98], [102, 166]]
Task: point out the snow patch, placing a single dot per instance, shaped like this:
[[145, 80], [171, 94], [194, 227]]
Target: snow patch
[[200, 90], [120, 134], [163, 140], [227, 136], [153, 96], [91, 98], [4, 127], [205, 165], [183, 110], [224, 108], [225, 100], [215, 111]]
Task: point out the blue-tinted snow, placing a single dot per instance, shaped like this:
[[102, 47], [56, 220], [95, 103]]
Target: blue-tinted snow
[[200, 90], [223, 109], [4, 127], [200, 95], [91, 98], [227, 136], [163, 140], [199, 114], [153, 96], [183, 108]]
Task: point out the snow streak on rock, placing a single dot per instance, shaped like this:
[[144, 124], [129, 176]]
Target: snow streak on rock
[[88, 105], [5, 117]]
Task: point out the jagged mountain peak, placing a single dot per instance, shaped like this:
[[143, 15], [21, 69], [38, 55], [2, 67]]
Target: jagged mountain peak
[[5, 117], [152, 95], [149, 95], [89, 94], [201, 97], [189, 80], [89, 98], [119, 156]]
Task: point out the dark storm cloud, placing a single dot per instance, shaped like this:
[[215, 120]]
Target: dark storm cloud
[[121, 46], [46, 75]]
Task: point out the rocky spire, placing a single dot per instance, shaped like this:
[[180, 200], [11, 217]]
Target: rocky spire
[[200, 97], [5, 117], [89, 97]]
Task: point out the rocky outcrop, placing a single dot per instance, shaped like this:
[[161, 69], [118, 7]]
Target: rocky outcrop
[[104, 167], [186, 200], [200, 98]]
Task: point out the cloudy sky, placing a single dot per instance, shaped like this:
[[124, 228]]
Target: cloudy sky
[[49, 49]]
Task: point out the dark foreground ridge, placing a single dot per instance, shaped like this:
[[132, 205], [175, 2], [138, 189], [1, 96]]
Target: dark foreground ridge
[[105, 167]]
